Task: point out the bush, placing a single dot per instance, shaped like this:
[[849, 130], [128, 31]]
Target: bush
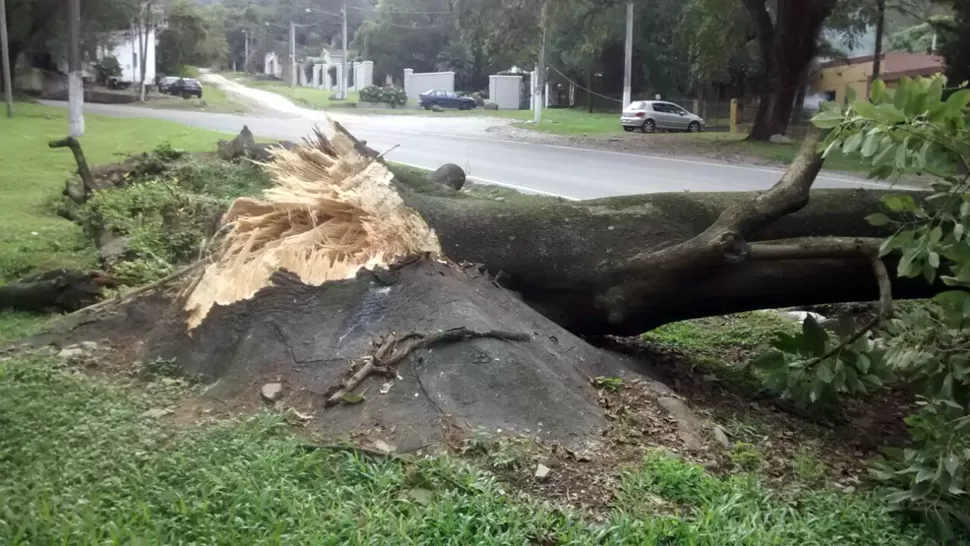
[[108, 67], [168, 209], [384, 95], [909, 128]]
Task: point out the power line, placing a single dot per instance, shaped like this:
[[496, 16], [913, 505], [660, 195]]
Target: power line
[[401, 12]]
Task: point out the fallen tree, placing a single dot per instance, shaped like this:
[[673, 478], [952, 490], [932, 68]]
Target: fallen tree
[[342, 271]]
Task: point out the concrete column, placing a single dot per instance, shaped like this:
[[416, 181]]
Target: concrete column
[[407, 81], [356, 72]]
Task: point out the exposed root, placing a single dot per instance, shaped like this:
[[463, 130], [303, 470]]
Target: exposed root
[[388, 354]]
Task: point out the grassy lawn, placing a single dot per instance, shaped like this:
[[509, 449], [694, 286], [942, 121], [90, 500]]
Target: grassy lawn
[[213, 100], [88, 463], [317, 99], [31, 237]]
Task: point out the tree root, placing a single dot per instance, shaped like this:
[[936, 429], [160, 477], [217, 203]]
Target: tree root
[[388, 354]]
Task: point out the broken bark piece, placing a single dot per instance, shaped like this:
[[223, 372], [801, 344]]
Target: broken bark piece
[[64, 290]]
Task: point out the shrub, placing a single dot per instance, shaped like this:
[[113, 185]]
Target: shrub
[[384, 95], [108, 67], [910, 128], [168, 209]]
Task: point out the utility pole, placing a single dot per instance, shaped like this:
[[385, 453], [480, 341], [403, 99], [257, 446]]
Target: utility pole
[[246, 51], [75, 81], [539, 95], [343, 67], [4, 50], [628, 65], [292, 54]]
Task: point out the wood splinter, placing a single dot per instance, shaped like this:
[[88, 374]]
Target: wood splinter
[[388, 355]]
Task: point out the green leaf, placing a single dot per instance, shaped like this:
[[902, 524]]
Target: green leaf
[[878, 91], [952, 464], [769, 360], [958, 231], [851, 144], [815, 336], [900, 203], [871, 145], [958, 101], [353, 398], [865, 109], [863, 363], [935, 92], [827, 120], [889, 113], [901, 97], [925, 474], [936, 234], [785, 343], [878, 219], [824, 372]]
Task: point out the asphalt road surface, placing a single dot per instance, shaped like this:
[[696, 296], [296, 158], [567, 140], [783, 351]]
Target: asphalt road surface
[[569, 172]]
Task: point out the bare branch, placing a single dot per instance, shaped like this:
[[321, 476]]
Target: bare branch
[[380, 362], [814, 248]]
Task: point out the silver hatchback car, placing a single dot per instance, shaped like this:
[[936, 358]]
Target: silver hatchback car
[[650, 115]]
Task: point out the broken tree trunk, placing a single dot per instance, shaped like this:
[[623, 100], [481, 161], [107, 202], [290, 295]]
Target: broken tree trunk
[[313, 280], [64, 290]]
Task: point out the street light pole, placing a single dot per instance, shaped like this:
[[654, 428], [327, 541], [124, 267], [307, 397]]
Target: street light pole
[[343, 68], [246, 51], [292, 54], [628, 66], [4, 50], [75, 81]]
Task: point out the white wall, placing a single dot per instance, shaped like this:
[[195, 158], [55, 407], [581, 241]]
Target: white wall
[[272, 65], [504, 91], [126, 49], [417, 83]]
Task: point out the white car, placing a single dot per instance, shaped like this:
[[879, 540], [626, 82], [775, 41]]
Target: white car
[[650, 115]]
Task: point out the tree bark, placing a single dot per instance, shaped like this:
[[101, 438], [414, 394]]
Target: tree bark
[[880, 29], [87, 181], [788, 43], [596, 267], [63, 290]]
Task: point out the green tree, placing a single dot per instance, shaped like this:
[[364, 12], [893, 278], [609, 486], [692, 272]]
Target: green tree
[[41, 25], [955, 40]]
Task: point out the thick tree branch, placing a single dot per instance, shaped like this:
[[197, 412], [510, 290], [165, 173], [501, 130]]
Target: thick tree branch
[[82, 169]]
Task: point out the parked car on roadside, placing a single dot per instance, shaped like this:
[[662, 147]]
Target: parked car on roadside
[[651, 115], [186, 87], [165, 83], [445, 99]]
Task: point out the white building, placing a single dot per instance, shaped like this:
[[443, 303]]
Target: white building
[[123, 46]]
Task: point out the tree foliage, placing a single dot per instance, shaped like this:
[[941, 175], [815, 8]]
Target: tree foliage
[[910, 128], [193, 37], [955, 40]]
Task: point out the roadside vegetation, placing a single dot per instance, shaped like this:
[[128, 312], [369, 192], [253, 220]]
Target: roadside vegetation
[[213, 100]]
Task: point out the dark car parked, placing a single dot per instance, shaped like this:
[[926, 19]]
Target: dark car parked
[[186, 87], [445, 99], [165, 83]]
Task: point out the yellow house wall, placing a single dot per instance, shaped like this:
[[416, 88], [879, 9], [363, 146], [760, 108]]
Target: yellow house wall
[[838, 78]]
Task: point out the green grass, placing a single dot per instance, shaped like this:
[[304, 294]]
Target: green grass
[[81, 463], [31, 237], [213, 100], [721, 345], [738, 510]]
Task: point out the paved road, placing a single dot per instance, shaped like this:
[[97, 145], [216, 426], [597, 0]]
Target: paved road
[[574, 173]]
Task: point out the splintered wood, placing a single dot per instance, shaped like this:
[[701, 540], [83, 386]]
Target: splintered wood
[[330, 212]]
